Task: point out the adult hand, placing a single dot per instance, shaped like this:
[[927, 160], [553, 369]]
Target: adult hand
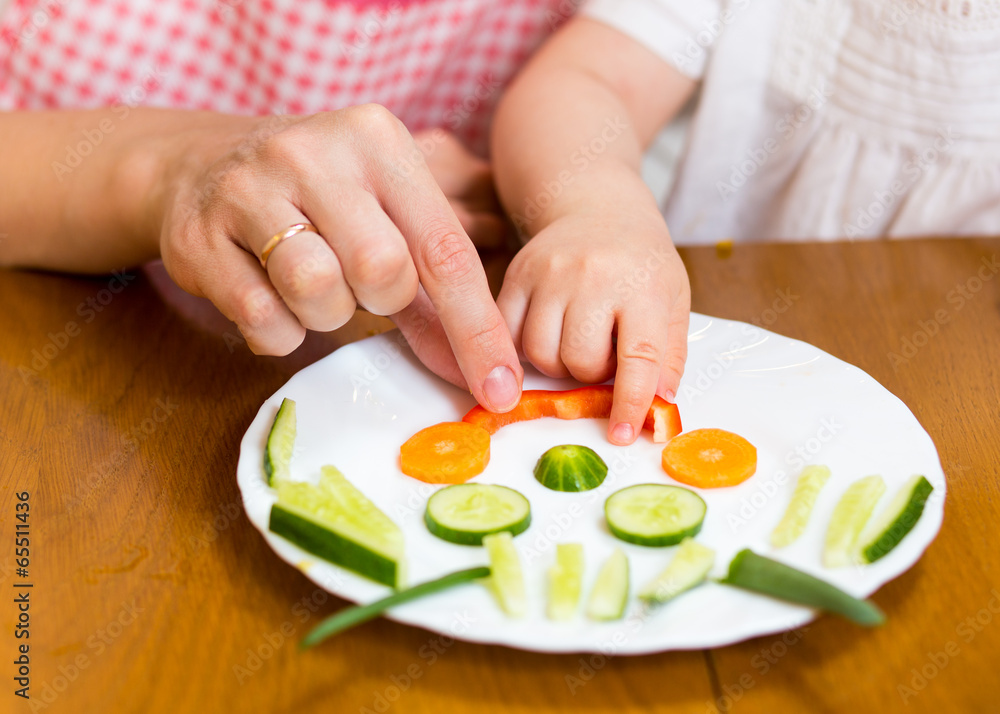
[[387, 240]]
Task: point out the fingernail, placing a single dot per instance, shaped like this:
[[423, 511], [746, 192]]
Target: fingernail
[[622, 433], [670, 396], [501, 389]]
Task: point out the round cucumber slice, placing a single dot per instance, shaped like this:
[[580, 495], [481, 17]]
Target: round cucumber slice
[[570, 468], [466, 512], [654, 514]]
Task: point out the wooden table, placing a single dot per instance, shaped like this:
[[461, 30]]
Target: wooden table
[[123, 412]]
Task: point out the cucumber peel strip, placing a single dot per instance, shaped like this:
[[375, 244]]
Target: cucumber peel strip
[[756, 573], [887, 530], [359, 614], [280, 443]]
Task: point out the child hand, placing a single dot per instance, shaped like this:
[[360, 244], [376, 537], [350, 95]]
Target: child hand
[[599, 294]]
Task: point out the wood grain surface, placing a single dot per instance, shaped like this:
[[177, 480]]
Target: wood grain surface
[[124, 405]]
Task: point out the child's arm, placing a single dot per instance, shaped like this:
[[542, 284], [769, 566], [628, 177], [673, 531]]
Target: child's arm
[[567, 145]]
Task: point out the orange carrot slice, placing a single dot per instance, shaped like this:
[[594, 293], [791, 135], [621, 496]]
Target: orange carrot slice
[[709, 458], [450, 452]]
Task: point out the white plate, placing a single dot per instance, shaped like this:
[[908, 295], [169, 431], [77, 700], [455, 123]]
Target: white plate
[[795, 403]]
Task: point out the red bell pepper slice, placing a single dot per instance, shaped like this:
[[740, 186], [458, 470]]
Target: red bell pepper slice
[[592, 402]]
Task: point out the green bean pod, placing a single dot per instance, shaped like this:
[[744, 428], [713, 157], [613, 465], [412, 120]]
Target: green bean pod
[[756, 573], [354, 616]]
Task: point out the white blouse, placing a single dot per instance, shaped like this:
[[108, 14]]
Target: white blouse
[[824, 119]]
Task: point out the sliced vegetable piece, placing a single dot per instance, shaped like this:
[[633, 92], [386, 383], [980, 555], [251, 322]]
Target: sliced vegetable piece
[[466, 513], [849, 517], [769, 577], [610, 593], [663, 419], [280, 444], [570, 468], [793, 524], [507, 579], [709, 458], [353, 616], [890, 527], [450, 452], [593, 402], [335, 521], [565, 578], [689, 567], [654, 514]]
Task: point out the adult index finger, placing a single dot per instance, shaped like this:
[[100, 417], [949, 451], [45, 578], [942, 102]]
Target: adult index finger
[[453, 277]]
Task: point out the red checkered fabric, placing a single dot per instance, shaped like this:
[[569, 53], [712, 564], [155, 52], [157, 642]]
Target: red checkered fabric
[[431, 62]]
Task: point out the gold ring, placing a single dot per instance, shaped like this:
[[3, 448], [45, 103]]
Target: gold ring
[[282, 235]]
